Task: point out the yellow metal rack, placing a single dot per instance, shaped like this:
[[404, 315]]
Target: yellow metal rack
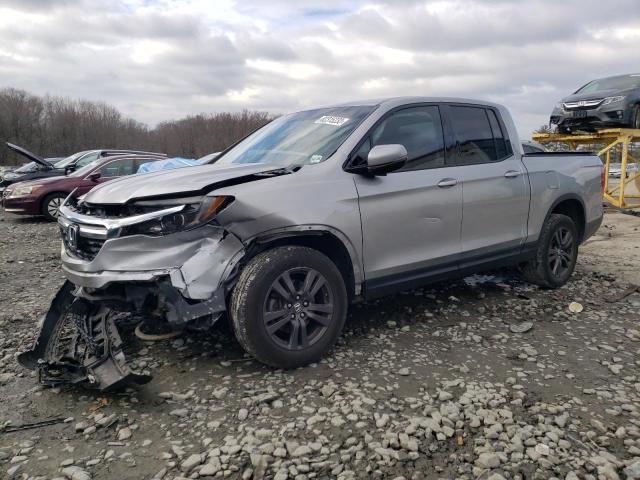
[[609, 143]]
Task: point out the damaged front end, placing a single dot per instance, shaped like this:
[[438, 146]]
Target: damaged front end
[[159, 265], [79, 343]]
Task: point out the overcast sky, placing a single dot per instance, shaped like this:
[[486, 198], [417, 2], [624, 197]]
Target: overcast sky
[[163, 59]]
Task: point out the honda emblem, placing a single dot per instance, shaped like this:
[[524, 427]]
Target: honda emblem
[[72, 235]]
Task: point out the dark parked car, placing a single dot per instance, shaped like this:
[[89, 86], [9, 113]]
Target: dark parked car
[[45, 169], [43, 196], [608, 102]]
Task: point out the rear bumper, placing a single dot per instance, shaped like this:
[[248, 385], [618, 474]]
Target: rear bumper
[[592, 227]]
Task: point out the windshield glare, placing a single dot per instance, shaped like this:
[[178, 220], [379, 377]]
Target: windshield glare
[[614, 83], [301, 138], [69, 160], [84, 170], [27, 168]]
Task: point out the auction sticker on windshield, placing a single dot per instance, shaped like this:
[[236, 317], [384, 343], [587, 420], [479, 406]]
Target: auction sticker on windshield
[[331, 120]]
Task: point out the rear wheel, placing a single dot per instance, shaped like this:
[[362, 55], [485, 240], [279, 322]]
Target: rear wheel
[[556, 253], [289, 306], [51, 204]]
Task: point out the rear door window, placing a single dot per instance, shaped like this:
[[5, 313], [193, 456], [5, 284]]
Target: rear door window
[[118, 168], [473, 134], [502, 148]]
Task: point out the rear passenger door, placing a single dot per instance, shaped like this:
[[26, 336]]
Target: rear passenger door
[[411, 217], [495, 189]]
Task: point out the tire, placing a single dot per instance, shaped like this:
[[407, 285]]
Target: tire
[[540, 269], [50, 205], [272, 324], [563, 130], [635, 117]]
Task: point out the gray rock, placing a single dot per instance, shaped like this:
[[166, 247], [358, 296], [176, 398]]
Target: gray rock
[[488, 460], [633, 471], [124, 434], [191, 462], [180, 412], [76, 473]]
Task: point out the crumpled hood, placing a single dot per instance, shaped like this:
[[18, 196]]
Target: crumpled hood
[[190, 180]]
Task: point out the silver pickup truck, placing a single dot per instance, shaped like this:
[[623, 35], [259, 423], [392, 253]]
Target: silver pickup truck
[[315, 210]]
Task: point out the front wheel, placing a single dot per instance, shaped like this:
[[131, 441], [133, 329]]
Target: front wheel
[[289, 306], [556, 253], [51, 204], [635, 117]]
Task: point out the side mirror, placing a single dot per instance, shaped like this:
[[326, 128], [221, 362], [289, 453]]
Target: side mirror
[[383, 159], [94, 176]]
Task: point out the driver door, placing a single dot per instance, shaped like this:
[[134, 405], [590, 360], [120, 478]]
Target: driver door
[[411, 218]]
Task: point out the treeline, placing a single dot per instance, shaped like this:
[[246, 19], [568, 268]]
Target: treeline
[[55, 126]]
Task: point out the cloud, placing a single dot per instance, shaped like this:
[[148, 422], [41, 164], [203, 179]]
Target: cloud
[[162, 59]]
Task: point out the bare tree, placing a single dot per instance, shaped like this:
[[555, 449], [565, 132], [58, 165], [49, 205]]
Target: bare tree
[[57, 126]]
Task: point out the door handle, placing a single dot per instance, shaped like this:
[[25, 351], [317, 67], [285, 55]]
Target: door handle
[[447, 182], [511, 173]]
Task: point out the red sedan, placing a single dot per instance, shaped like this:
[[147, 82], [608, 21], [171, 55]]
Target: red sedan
[[44, 196]]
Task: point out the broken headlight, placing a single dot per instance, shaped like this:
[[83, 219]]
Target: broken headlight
[[191, 216]]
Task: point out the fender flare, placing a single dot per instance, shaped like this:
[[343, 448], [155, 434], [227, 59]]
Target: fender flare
[[299, 231], [562, 198]]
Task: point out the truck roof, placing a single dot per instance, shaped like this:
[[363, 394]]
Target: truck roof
[[397, 101]]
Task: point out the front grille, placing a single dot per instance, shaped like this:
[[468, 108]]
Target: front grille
[[86, 248], [582, 104]]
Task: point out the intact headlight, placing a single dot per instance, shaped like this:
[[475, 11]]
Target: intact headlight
[[11, 176], [191, 216], [609, 100], [22, 191]]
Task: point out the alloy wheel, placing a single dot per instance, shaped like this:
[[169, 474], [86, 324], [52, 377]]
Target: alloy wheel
[[298, 308], [561, 252], [54, 205]]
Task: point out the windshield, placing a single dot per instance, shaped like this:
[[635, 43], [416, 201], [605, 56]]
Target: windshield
[[27, 168], [613, 83], [299, 138], [69, 160], [84, 170]]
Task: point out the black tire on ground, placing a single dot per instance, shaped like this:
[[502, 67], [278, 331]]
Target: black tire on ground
[[50, 205], [314, 306], [635, 117], [556, 253]]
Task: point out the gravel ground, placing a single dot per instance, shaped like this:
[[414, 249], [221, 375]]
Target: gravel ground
[[431, 384]]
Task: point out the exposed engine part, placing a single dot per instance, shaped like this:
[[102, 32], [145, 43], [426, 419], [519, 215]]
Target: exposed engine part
[[79, 343], [155, 337]]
